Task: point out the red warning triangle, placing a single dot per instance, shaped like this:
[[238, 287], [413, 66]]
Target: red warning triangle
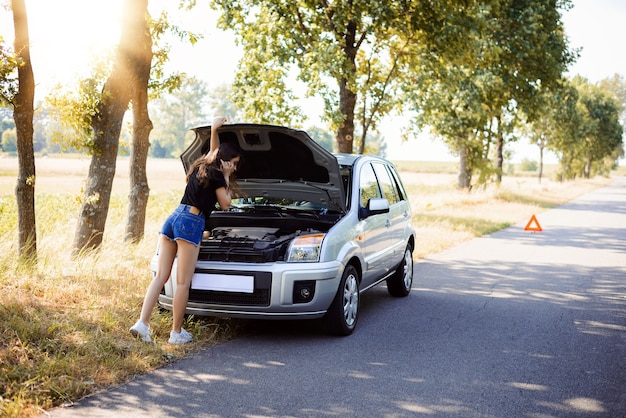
[[530, 227]]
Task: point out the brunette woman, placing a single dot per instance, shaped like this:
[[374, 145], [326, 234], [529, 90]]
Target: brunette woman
[[208, 183]]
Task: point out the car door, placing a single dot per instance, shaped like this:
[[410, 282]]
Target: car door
[[374, 230], [399, 213]]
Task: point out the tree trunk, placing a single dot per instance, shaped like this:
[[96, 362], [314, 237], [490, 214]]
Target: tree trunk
[[465, 172], [107, 128], [361, 149], [345, 133], [107, 125], [588, 164], [541, 146], [499, 151], [347, 98], [23, 115], [139, 190]]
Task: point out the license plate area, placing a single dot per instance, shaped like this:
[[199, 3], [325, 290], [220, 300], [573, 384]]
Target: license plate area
[[260, 296], [223, 282]]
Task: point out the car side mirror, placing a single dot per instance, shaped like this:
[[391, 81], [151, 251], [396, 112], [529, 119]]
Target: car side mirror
[[375, 206]]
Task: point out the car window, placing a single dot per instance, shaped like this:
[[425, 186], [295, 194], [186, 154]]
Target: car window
[[368, 185], [397, 183], [387, 185]]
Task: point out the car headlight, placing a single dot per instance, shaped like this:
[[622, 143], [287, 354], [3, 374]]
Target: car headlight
[[305, 249]]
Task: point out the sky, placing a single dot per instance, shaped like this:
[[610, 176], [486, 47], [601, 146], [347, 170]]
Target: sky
[[595, 26]]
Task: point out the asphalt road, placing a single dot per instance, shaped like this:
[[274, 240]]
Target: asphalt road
[[515, 324]]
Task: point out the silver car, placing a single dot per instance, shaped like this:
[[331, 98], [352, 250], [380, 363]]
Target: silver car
[[310, 233]]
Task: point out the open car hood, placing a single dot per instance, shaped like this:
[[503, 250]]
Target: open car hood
[[277, 162]]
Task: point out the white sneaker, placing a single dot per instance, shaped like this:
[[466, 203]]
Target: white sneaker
[[181, 337], [141, 330]]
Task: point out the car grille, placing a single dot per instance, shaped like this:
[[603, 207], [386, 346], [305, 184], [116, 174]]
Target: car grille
[[242, 250], [260, 297]]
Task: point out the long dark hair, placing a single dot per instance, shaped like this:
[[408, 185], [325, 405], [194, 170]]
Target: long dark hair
[[206, 170]]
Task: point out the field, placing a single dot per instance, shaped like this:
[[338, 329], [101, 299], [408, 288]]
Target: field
[[64, 321]]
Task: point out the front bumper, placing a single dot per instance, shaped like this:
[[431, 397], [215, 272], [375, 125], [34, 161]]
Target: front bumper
[[273, 294]]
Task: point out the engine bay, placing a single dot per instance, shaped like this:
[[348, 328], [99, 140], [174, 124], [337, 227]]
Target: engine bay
[[254, 238]]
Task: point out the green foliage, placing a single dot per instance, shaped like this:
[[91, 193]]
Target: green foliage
[[582, 125], [221, 103], [174, 113], [8, 74], [352, 55], [74, 107], [322, 137], [6, 119], [474, 99], [616, 86], [9, 140], [260, 87], [528, 165], [160, 80]]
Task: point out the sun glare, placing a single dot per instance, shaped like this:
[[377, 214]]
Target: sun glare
[[67, 36]]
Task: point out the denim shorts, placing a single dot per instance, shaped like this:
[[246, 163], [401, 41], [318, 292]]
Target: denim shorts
[[182, 224]]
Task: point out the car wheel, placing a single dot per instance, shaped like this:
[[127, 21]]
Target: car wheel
[[343, 313], [399, 284]]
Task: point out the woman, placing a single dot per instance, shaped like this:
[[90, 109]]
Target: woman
[[207, 183]]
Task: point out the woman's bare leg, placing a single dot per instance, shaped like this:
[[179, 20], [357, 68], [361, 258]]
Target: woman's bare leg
[[167, 253], [187, 258]]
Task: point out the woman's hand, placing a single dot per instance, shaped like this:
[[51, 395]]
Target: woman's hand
[[228, 168], [218, 122]]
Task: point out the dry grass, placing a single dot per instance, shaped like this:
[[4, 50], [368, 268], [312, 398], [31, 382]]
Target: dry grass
[[64, 322]]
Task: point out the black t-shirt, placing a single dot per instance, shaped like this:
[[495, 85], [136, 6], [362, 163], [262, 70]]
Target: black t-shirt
[[204, 198]]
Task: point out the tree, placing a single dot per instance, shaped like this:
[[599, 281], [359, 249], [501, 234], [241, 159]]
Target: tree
[[581, 125], [603, 130], [539, 130], [142, 125], [452, 104], [616, 86], [567, 127], [93, 116], [23, 110], [513, 49], [221, 103], [531, 55], [351, 54], [106, 125], [178, 111]]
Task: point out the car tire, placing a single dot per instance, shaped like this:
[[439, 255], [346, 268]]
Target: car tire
[[399, 284], [343, 313]]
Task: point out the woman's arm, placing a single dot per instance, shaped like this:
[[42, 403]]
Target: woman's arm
[[215, 143], [223, 193], [223, 197]]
